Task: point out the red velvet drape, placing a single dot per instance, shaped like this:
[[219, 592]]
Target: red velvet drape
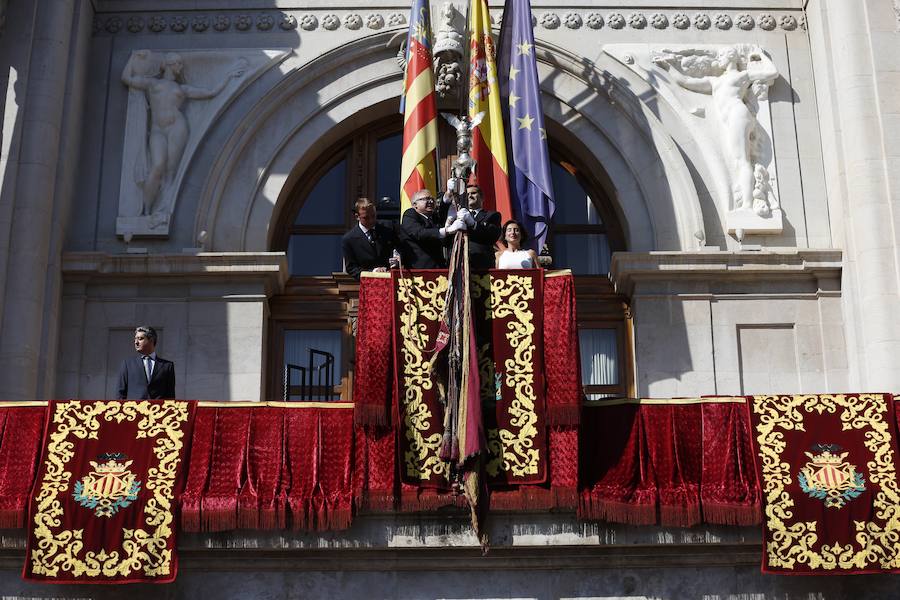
[[562, 363], [21, 432], [675, 462], [373, 371]]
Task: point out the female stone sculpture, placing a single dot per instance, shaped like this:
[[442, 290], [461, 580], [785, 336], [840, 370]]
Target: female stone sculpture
[[168, 132]]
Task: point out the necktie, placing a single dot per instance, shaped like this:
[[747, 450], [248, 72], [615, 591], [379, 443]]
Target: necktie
[[148, 367], [371, 236]]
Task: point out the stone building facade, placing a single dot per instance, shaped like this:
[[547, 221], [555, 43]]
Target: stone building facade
[[156, 157]]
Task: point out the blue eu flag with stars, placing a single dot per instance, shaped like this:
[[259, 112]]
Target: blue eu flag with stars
[[529, 178]]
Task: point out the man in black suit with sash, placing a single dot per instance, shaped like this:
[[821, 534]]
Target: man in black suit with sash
[[146, 376], [370, 245], [423, 236], [483, 227]]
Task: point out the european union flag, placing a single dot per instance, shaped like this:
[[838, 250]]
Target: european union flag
[[529, 178]]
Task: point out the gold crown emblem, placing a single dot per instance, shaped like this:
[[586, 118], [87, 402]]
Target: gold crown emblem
[[827, 458], [110, 466]]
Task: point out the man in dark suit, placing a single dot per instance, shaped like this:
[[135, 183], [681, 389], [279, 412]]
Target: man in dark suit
[[423, 236], [146, 376], [483, 227], [369, 245]]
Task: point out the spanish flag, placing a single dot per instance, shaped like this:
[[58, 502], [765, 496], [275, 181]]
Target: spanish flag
[[488, 140], [418, 169]]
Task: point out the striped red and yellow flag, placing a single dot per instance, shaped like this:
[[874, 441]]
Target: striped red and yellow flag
[[488, 139], [418, 169]]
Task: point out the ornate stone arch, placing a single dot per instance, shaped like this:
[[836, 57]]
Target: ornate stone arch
[[607, 108]]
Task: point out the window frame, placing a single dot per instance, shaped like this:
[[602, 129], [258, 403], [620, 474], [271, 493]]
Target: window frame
[[315, 302]]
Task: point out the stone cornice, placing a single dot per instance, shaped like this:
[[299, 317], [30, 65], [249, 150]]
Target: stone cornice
[[628, 268], [270, 267], [147, 18]]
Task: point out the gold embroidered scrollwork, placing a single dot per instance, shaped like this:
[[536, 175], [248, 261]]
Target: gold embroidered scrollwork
[[143, 550], [877, 544], [420, 300], [512, 450]]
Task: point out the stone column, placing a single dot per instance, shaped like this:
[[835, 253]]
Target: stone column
[[846, 42], [33, 203]]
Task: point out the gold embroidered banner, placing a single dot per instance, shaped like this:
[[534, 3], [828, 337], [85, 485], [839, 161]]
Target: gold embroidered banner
[[507, 310], [827, 465], [103, 507]]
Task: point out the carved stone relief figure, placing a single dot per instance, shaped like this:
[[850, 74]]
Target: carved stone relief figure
[[165, 92], [737, 77], [173, 99]]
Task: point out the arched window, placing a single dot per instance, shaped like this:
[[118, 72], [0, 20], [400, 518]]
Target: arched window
[[318, 305]]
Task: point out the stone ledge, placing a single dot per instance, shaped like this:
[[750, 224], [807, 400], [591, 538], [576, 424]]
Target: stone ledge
[[92, 266], [823, 266]]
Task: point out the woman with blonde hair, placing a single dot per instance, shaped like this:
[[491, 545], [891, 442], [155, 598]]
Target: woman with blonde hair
[[513, 235]]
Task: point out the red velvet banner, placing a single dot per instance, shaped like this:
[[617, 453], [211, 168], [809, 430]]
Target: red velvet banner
[[22, 428], [828, 466], [673, 462], [103, 509], [509, 332], [271, 466]]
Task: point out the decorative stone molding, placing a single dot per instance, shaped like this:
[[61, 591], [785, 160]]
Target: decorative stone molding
[[135, 24], [573, 19], [449, 48], [309, 22], [200, 23], [659, 21], [723, 22], [288, 22], [353, 22], [374, 21], [550, 21], [185, 90], [270, 267], [221, 23], [243, 22], [616, 21], [179, 24], [331, 22], [637, 20], [627, 269], [157, 24], [594, 20], [265, 22]]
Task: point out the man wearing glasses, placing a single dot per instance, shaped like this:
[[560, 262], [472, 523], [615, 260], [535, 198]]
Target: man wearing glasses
[[424, 237]]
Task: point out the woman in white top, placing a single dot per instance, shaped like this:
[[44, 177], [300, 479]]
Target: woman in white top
[[512, 235]]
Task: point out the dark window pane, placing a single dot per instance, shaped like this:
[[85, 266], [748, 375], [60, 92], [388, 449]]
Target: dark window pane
[[298, 343], [315, 254], [387, 181], [325, 204], [584, 253], [573, 205]]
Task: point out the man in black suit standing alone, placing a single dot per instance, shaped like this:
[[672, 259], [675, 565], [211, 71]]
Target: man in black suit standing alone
[[424, 238], [370, 245], [146, 376]]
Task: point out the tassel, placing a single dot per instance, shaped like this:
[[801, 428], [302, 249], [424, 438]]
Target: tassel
[[732, 514], [365, 415], [190, 514], [219, 514], [563, 415]]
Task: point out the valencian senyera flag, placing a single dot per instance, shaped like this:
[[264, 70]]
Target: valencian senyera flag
[[530, 184], [418, 169], [488, 140], [104, 503]]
